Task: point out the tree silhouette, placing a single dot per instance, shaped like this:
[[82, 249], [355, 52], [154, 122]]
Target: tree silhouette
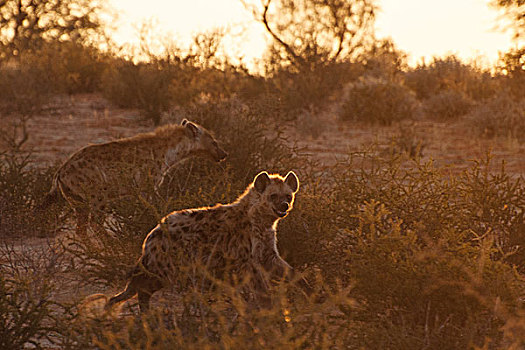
[[309, 33], [25, 24], [512, 63], [515, 11]]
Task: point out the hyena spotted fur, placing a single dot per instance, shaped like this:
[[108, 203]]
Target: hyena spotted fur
[[226, 242], [98, 174]]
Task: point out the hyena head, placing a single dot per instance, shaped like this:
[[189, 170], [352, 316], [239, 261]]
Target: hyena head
[[276, 193], [202, 141]]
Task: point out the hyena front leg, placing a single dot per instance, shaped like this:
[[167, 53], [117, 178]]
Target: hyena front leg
[[279, 269]]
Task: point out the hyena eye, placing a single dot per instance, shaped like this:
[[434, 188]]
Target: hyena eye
[[273, 197]]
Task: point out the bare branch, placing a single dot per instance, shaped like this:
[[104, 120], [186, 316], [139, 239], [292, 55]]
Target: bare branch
[[309, 33], [287, 47]]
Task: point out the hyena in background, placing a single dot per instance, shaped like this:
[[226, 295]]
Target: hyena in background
[[228, 243], [98, 174]]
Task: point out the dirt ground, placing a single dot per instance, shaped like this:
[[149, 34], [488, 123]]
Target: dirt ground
[[71, 122]]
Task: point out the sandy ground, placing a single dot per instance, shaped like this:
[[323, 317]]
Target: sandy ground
[[71, 122], [452, 145]]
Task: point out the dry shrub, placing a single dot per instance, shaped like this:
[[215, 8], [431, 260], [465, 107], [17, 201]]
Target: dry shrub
[[378, 101], [22, 187], [298, 90], [501, 116], [429, 257], [447, 105], [61, 67], [223, 320], [160, 74], [146, 86], [449, 73], [386, 61], [512, 67], [29, 80], [21, 91], [31, 277], [408, 142], [25, 311], [432, 294], [253, 142], [71, 67], [309, 123], [162, 83]]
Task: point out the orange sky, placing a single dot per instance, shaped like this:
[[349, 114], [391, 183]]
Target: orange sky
[[419, 27]]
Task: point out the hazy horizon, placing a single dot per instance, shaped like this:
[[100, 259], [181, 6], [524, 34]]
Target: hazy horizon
[[422, 29]]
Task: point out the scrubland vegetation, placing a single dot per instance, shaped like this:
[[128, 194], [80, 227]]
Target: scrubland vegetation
[[401, 254]]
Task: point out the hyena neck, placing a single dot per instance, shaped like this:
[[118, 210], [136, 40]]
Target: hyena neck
[[250, 204], [173, 143], [179, 151]]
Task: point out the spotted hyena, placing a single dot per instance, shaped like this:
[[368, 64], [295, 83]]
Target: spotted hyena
[[226, 242], [98, 174]]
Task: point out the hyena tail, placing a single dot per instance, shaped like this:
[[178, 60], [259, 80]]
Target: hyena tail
[[142, 283], [128, 293], [52, 197]]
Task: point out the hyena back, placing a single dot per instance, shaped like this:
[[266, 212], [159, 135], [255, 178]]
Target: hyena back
[[225, 242], [98, 174]]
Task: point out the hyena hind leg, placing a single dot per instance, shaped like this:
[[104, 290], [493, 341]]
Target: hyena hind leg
[[140, 284], [148, 286]]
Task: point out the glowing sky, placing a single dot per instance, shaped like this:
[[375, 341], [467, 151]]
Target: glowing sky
[[419, 27]]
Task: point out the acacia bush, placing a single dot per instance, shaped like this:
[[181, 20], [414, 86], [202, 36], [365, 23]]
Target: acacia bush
[[24, 313], [70, 67], [164, 83], [501, 116], [146, 86], [19, 85], [315, 88], [447, 105], [32, 279], [449, 73], [378, 101], [425, 294], [22, 187]]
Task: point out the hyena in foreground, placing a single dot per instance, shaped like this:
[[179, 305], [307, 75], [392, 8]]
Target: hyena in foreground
[[98, 174], [226, 242]]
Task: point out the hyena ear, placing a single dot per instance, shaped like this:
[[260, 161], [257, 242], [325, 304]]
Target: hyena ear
[[292, 181], [184, 121], [192, 130], [262, 180]]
